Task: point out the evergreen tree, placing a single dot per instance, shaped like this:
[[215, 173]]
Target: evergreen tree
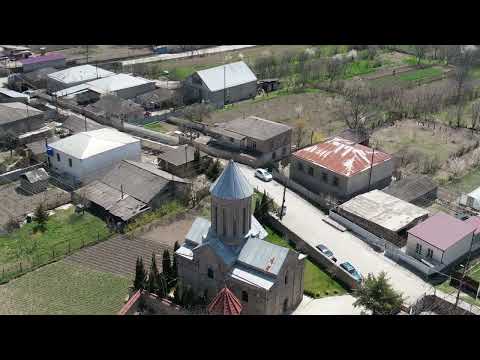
[[162, 290], [378, 296], [177, 299], [41, 216], [166, 265], [153, 276], [140, 275]]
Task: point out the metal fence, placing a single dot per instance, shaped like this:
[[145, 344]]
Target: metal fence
[[37, 258]]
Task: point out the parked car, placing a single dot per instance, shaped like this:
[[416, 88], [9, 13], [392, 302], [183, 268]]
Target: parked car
[[327, 252], [352, 271], [263, 174]]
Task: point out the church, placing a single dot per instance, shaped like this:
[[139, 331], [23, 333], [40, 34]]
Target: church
[[230, 250]]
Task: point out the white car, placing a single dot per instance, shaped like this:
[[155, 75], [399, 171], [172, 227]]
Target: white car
[[263, 174]]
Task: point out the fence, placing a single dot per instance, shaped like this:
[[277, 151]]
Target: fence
[[314, 255], [39, 258]]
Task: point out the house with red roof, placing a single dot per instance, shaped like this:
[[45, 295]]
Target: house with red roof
[[341, 167], [441, 239]]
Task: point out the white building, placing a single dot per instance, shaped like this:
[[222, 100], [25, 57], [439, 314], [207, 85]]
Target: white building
[[75, 76], [441, 239], [123, 85], [88, 155]]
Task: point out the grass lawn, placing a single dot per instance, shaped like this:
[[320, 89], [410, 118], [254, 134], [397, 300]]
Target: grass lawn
[[360, 67], [156, 126], [168, 209], [421, 74], [64, 289], [447, 289], [65, 225], [315, 280]]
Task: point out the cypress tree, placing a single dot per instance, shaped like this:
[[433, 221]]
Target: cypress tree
[[139, 282], [166, 265], [153, 276]]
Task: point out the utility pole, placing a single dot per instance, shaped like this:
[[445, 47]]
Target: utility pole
[[467, 264], [85, 121], [371, 169], [283, 201], [186, 158]]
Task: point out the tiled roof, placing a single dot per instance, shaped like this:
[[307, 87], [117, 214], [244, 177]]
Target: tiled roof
[[231, 184], [342, 156], [225, 303]]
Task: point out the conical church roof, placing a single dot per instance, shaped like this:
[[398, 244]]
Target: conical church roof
[[231, 184], [225, 303]]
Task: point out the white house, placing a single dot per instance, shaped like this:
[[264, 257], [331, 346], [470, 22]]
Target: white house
[[74, 76], [88, 155], [441, 239]]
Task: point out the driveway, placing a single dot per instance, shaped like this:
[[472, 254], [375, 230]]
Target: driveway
[[333, 305], [306, 221]]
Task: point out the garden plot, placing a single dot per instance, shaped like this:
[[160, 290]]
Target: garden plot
[[64, 289]]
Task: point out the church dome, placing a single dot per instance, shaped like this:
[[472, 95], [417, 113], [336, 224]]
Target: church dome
[[231, 184]]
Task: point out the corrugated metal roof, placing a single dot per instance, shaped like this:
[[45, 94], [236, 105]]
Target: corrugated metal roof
[[80, 74], [342, 156], [252, 277], [442, 230], [231, 184], [411, 188], [36, 175], [384, 210], [227, 76], [77, 125], [12, 94], [15, 111], [91, 143], [177, 156], [117, 82], [263, 256]]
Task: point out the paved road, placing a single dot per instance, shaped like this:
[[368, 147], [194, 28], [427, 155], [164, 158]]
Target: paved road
[[306, 220], [162, 57], [333, 305]]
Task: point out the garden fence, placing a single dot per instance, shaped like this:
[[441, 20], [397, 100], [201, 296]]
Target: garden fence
[[39, 257]]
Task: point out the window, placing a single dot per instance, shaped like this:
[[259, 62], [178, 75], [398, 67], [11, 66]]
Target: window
[[234, 227], [286, 278], [284, 151], [429, 253], [335, 181], [58, 157], [245, 220], [310, 171], [244, 296], [232, 140], [285, 305], [215, 214], [210, 273], [224, 220], [300, 166], [418, 249], [70, 162], [325, 177], [274, 155]]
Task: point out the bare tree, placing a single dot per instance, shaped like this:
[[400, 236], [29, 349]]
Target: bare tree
[[475, 114], [358, 98], [334, 69], [420, 51], [475, 157], [300, 131], [457, 166]]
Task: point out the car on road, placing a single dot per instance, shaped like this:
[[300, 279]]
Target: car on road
[[326, 251], [352, 271], [263, 174]]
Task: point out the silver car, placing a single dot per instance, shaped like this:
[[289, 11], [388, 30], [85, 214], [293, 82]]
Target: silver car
[[263, 174]]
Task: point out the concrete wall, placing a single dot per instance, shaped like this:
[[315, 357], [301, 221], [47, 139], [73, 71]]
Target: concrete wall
[[458, 249], [153, 135], [134, 91], [83, 168]]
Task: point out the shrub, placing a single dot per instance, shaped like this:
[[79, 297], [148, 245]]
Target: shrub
[[11, 225]]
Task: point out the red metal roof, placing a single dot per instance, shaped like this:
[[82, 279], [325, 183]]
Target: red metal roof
[[442, 230], [225, 303], [125, 308], [342, 156]]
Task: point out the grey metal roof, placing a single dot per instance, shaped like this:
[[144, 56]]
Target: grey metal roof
[[36, 175], [76, 124], [136, 181], [256, 128], [177, 156], [252, 277], [227, 76], [199, 228], [411, 188], [15, 111], [112, 104], [228, 254], [111, 200], [224, 132], [12, 94], [231, 184], [80, 73], [154, 170], [263, 256]]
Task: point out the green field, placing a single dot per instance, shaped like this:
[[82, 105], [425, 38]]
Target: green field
[[156, 126], [63, 227], [64, 289], [421, 74], [315, 280]]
